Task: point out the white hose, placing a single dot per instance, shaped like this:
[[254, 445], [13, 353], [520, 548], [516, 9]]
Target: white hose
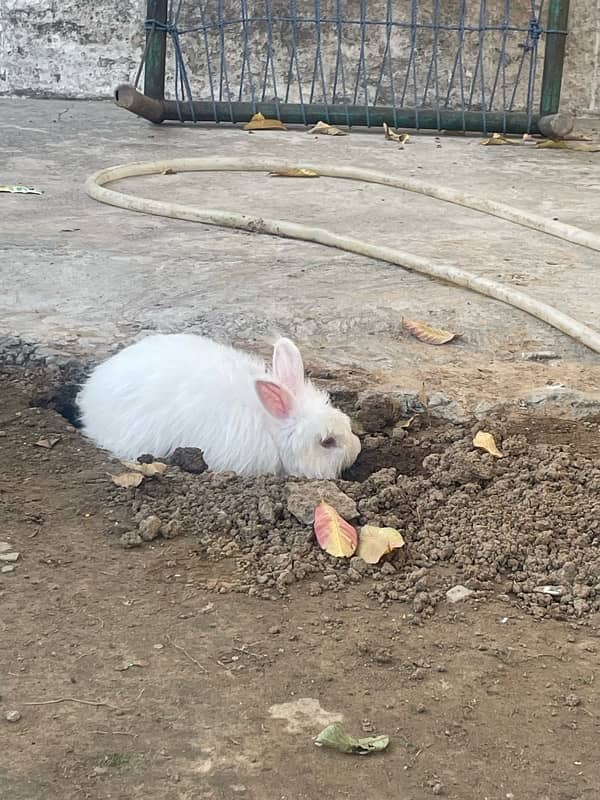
[[95, 184]]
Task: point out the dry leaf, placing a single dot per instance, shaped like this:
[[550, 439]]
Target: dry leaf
[[406, 423], [294, 172], [583, 147], [374, 543], [498, 138], [393, 135], [260, 123], [485, 441], [127, 480], [48, 442], [335, 736], [329, 130], [336, 536], [149, 470], [425, 333], [551, 144]]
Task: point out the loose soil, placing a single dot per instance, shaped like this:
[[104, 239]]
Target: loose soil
[[201, 664]]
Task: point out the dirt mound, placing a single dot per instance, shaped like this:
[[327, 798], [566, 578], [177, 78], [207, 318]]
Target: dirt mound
[[527, 525]]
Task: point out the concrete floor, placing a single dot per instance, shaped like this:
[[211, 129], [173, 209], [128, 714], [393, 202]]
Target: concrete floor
[[79, 278]]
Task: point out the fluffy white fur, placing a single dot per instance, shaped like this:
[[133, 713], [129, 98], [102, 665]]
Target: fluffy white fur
[[182, 390]]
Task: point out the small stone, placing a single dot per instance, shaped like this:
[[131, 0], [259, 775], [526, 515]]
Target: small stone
[[12, 716], [303, 498], [458, 593], [7, 568], [5, 547], [171, 529], [274, 630], [572, 700], [130, 539], [158, 646], [149, 528], [189, 459], [437, 788], [9, 557], [358, 565], [388, 569]]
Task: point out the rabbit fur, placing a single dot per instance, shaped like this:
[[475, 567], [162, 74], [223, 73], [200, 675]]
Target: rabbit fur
[[182, 390]]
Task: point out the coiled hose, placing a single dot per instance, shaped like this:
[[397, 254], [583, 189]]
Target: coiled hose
[[95, 187]]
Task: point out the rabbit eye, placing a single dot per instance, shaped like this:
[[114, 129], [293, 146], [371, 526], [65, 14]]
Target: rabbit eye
[[328, 441]]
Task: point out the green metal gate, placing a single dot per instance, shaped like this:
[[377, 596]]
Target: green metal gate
[[439, 64]]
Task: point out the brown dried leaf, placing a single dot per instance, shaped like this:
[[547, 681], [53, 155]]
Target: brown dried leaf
[[48, 442], [394, 135], [328, 130], [551, 144], [425, 333], [294, 172], [261, 123], [148, 470], [583, 147], [485, 441], [127, 480], [498, 138], [374, 543]]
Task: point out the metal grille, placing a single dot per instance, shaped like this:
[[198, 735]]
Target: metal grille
[[412, 62]]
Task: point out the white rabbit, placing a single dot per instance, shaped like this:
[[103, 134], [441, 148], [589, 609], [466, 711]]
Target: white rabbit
[[182, 390]]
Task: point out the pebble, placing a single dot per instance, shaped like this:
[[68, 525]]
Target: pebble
[[572, 700], [130, 539], [149, 528], [458, 593], [9, 556], [12, 716], [303, 498], [5, 547], [274, 630], [7, 568]]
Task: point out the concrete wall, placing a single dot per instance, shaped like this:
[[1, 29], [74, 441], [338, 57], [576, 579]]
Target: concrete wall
[[83, 49]]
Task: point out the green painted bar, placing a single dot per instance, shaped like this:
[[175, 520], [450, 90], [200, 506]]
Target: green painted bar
[[554, 56], [295, 114], [156, 50]]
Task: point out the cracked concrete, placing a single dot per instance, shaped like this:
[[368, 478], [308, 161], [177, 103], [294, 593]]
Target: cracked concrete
[[80, 279]]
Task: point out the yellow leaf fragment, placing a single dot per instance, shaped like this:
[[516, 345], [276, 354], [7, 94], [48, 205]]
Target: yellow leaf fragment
[[294, 172], [261, 123], [485, 441], [328, 130], [394, 135], [551, 144], [583, 147], [425, 333], [374, 543], [336, 536], [149, 470], [497, 138], [127, 480]]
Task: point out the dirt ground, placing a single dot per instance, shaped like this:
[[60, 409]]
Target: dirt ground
[[202, 666]]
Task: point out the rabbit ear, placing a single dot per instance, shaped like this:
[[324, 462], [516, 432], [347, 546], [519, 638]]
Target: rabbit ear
[[288, 368], [276, 399]]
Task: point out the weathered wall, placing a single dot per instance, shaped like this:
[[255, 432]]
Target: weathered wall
[[79, 48]]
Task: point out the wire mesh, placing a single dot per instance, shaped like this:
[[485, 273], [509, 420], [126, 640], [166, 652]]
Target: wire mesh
[[434, 55]]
